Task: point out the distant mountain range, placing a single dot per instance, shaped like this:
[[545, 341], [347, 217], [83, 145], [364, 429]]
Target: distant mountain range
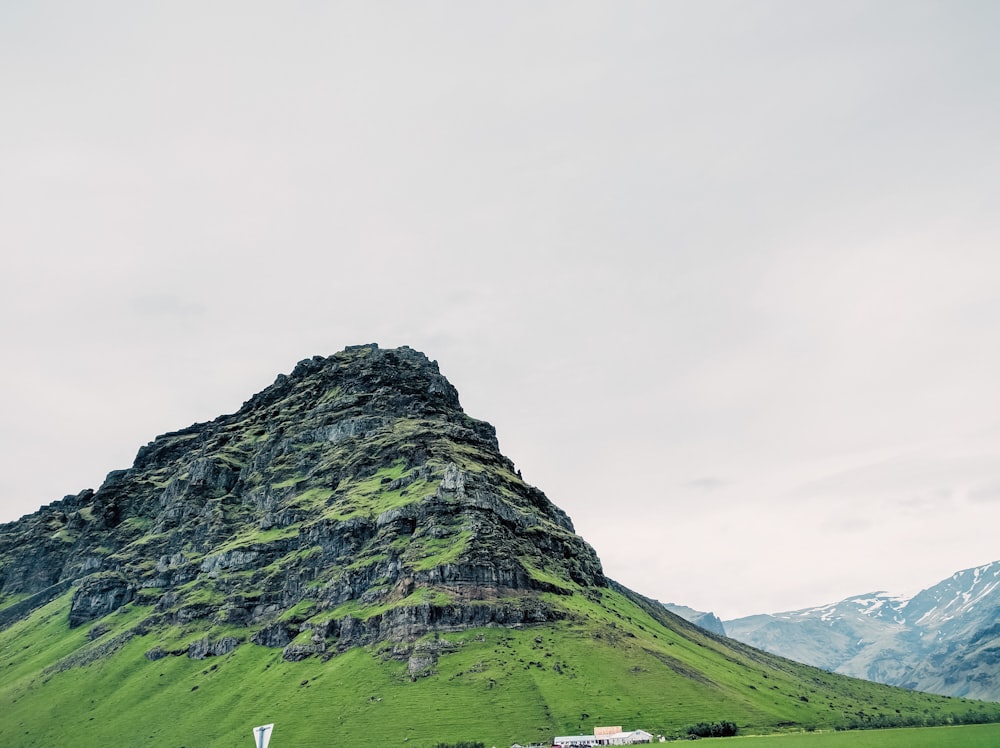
[[945, 639]]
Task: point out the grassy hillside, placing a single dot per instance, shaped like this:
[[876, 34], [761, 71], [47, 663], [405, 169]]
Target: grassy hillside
[[611, 661]]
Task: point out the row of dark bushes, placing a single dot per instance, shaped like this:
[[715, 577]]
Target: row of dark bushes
[[881, 721]]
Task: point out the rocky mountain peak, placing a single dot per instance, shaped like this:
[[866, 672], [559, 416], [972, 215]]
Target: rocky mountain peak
[[386, 380], [351, 501]]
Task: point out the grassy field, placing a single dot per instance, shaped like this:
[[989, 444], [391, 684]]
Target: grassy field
[[607, 664], [962, 736]]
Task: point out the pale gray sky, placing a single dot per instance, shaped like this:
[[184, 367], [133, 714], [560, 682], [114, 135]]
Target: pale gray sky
[[724, 275]]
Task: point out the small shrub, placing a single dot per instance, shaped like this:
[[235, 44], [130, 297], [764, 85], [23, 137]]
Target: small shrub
[[724, 729]]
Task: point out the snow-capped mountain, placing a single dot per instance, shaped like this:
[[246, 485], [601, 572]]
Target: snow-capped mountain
[[945, 639]]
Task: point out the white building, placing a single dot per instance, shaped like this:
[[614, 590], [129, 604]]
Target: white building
[[629, 738], [574, 741], [602, 738]]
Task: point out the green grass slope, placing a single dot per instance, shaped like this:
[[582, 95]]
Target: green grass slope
[[614, 660]]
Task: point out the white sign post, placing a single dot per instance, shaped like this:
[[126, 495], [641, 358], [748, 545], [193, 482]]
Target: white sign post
[[262, 735]]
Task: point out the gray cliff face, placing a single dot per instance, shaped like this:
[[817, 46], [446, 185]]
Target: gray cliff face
[[944, 640], [708, 621], [350, 502]]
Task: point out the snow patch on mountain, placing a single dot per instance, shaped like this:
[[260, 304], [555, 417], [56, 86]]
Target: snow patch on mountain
[[944, 638]]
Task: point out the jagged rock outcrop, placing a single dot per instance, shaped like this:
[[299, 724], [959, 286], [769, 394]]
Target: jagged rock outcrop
[[351, 502], [98, 595]]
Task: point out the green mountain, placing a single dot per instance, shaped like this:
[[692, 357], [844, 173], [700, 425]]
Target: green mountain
[[351, 557]]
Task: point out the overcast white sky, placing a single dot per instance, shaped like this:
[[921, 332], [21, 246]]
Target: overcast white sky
[[724, 275]]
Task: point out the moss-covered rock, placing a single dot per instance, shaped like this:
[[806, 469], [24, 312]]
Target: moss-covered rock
[[354, 483]]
